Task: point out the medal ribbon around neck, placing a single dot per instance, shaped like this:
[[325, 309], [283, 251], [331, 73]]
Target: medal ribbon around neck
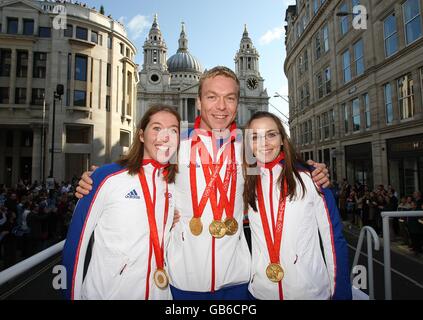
[[207, 163], [273, 247], [150, 205]]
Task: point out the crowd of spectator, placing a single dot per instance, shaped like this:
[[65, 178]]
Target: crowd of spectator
[[361, 206], [32, 218]]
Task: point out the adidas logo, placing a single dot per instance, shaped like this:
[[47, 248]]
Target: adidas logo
[[132, 195]]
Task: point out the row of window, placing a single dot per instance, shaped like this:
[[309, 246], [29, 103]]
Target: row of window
[[412, 27], [405, 98], [37, 97], [352, 65], [28, 28], [412, 32], [358, 110], [39, 63]]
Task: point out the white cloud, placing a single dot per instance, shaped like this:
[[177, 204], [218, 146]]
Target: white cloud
[[272, 35], [137, 25]]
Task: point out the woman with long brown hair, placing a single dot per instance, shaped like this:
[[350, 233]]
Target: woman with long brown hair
[[287, 214], [127, 218]]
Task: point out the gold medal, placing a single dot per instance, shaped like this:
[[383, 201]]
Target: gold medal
[[160, 278], [217, 229], [274, 272], [196, 226], [231, 226]]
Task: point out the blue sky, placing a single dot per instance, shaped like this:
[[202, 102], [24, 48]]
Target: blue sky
[[214, 29]]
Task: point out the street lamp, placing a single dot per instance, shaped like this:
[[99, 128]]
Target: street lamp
[[277, 95], [57, 95], [286, 99], [286, 123]]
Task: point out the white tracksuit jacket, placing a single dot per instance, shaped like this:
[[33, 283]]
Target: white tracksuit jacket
[[189, 257], [307, 276], [122, 260]]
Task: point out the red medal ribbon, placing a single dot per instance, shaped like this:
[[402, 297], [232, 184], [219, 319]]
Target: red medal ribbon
[[273, 247], [212, 177], [150, 205]]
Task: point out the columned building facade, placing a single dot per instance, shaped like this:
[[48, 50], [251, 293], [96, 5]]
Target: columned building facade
[[92, 58], [355, 88], [175, 80]]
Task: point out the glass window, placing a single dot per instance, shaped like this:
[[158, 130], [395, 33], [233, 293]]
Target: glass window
[[40, 65], [406, 96], [319, 85], [20, 95], [367, 110], [327, 81], [108, 103], [81, 68], [343, 20], [387, 89], [12, 25], [390, 35], [28, 27], [109, 75], [326, 38], [81, 33], [79, 98], [412, 21], [68, 32], [346, 66], [44, 32], [319, 128], [346, 115], [124, 138], [305, 59], [4, 95], [94, 37], [22, 64], [5, 62], [356, 114], [78, 134], [332, 121], [326, 125], [109, 42], [315, 6], [37, 96], [318, 45], [358, 56]]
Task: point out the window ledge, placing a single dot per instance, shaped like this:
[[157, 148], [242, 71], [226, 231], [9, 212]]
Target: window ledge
[[78, 109], [80, 42]]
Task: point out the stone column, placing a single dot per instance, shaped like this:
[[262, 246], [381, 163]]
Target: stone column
[[380, 161], [12, 84], [29, 78], [37, 157]]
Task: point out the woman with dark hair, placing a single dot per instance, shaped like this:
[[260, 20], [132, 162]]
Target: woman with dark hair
[[127, 218], [287, 213]]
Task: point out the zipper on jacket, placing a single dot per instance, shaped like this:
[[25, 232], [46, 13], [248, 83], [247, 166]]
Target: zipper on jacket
[[124, 267]]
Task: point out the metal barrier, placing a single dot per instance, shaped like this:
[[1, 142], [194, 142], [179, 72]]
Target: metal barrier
[[387, 244], [371, 234], [27, 264]]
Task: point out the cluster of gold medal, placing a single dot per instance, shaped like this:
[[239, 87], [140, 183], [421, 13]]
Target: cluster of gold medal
[[218, 229]]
